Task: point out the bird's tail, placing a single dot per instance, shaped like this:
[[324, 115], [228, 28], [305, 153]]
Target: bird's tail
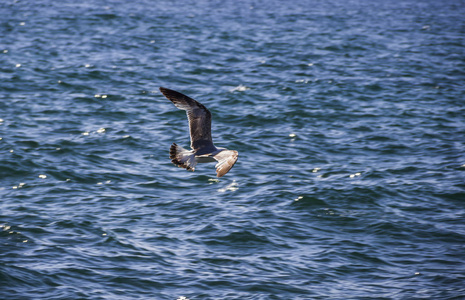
[[182, 158]]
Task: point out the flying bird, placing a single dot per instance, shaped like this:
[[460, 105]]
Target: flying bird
[[203, 150]]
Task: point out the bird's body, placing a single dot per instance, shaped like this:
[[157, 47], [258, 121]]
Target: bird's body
[[203, 149]]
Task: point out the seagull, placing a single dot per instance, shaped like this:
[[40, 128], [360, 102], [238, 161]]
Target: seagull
[[203, 150]]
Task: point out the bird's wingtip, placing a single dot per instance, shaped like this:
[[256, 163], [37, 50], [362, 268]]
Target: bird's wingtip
[[226, 160]]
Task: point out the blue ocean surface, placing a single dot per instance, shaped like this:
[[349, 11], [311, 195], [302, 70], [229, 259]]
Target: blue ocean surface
[[349, 120]]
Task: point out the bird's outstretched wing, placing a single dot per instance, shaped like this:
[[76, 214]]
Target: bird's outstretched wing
[[226, 160], [199, 118]]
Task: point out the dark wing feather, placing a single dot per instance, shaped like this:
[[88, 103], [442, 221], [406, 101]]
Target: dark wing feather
[[199, 118]]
